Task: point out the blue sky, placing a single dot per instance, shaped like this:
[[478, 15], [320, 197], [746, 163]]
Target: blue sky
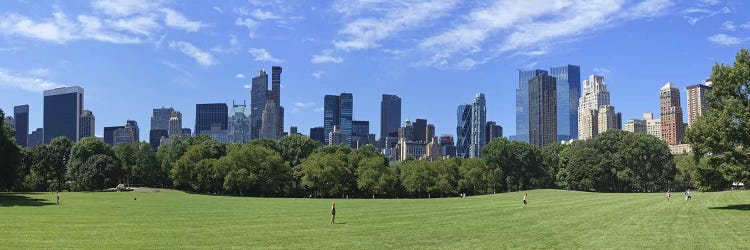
[[133, 56]]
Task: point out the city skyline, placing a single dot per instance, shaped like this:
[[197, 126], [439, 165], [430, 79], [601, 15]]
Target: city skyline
[[33, 63]]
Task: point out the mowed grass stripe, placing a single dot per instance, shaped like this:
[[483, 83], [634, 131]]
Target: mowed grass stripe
[[553, 219]]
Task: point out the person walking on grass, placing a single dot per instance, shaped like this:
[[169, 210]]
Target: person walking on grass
[[524, 199], [58, 197], [333, 212], [669, 196], [687, 195]]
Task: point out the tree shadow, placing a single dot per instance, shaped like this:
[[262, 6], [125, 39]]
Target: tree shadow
[[12, 200], [734, 207]]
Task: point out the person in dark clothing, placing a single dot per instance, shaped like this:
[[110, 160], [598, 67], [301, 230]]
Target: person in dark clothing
[[333, 212]]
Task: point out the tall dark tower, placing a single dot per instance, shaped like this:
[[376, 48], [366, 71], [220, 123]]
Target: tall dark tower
[[62, 113], [21, 114], [390, 116], [258, 96], [275, 95]]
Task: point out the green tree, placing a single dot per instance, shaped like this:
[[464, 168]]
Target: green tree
[[446, 176], [10, 155], [416, 176], [183, 171], [722, 133], [374, 175], [99, 172], [327, 173], [126, 154], [477, 177], [80, 153], [61, 149], [254, 169]]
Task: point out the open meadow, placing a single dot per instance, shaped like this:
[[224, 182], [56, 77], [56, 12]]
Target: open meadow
[[553, 219]]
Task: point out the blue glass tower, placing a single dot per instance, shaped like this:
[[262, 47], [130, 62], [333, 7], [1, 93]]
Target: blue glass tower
[[522, 103], [568, 91], [331, 115], [463, 131], [346, 107]]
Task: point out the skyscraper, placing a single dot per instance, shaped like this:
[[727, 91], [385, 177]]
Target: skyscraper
[[136, 131], [430, 131], [21, 115], [88, 124], [635, 126], [463, 131], [653, 126], [522, 103], [159, 126], [175, 124], [420, 130], [447, 146], [542, 110], [62, 113], [390, 116], [696, 100], [269, 121], [493, 131], [594, 95], [360, 133], [239, 124], [318, 134], [672, 127], [607, 119], [210, 114], [338, 111], [331, 115], [109, 134], [275, 95], [36, 138], [258, 97], [568, 93], [478, 122]]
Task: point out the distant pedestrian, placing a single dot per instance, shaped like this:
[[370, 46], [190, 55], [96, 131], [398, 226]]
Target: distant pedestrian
[[333, 212], [688, 197], [58, 198], [669, 196], [524, 199]]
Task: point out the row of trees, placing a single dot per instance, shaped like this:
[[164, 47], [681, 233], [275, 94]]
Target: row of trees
[[615, 161]]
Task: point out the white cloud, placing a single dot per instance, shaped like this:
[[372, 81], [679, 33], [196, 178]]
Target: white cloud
[[175, 19], [201, 57], [602, 71], [264, 15], [32, 84], [326, 59], [249, 23], [694, 14], [239, 76], [745, 26], [39, 72], [217, 9], [247, 86], [724, 40], [141, 24], [92, 27], [120, 8], [57, 29], [728, 25], [367, 32], [318, 74], [711, 2], [234, 46], [527, 27], [262, 55]]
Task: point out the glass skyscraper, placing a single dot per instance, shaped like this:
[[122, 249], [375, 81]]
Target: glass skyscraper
[[522, 103], [21, 115], [478, 123], [338, 111], [390, 116], [347, 113], [62, 112], [542, 110], [258, 96], [331, 115], [210, 114], [463, 131], [568, 92]]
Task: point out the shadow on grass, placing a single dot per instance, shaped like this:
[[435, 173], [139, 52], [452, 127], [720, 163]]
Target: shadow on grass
[[16, 199], [734, 207]]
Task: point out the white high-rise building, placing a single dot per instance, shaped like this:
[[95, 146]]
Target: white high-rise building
[[607, 118], [594, 96], [697, 102], [175, 124], [653, 126]]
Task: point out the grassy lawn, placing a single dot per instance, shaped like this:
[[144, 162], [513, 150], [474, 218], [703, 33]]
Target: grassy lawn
[[553, 219]]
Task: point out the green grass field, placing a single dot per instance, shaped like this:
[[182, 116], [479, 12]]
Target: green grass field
[[554, 219]]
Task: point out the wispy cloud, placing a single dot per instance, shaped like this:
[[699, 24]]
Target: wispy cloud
[[264, 15], [201, 57], [120, 8], [247, 86], [318, 74], [239, 76], [248, 23], [262, 55], [326, 57], [304, 106], [527, 27], [39, 72], [728, 26], [695, 14], [724, 40], [367, 32], [28, 83], [602, 71], [175, 19], [233, 48]]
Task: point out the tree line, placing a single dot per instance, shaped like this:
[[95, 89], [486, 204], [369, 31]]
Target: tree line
[[295, 165]]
